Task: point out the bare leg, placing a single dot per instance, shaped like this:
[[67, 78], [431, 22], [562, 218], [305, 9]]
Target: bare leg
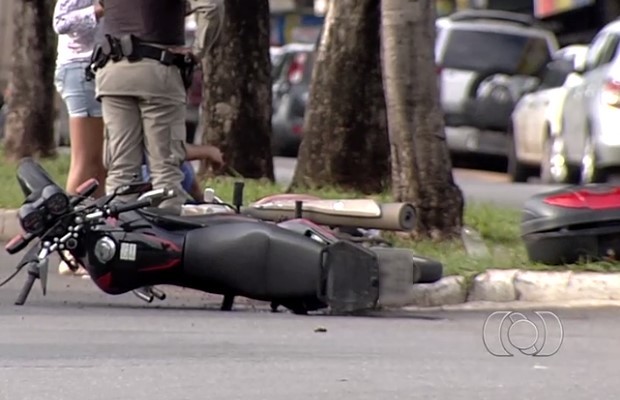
[[86, 153]]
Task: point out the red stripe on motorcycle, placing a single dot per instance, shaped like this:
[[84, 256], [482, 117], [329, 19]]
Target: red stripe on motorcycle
[[167, 265], [104, 281]]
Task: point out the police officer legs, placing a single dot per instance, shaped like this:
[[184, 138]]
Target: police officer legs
[[143, 107], [143, 95]]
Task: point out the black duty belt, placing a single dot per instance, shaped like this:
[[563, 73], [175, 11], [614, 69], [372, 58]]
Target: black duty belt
[[164, 56], [133, 50]]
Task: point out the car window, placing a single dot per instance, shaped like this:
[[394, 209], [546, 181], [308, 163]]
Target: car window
[[609, 51], [479, 51], [279, 71], [308, 67], [555, 74], [596, 54], [277, 60]]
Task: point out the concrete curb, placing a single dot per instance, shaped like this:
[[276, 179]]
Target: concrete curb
[[9, 225], [519, 289], [510, 288]]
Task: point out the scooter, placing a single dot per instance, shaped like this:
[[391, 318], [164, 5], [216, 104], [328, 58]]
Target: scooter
[[134, 246]]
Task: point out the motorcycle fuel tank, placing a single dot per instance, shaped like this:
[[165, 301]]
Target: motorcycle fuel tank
[[572, 224]]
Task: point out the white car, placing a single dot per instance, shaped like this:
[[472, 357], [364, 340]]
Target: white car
[[537, 119], [591, 113]]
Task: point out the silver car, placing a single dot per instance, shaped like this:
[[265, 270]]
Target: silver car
[[590, 136], [487, 60]]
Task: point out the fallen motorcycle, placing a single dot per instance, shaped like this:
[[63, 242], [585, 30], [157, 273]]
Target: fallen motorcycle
[[355, 220], [134, 246]]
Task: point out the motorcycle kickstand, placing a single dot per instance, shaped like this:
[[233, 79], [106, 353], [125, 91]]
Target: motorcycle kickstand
[[228, 302]]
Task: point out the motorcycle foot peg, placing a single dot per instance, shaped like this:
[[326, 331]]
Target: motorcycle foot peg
[[227, 303], [159, 294], [144, 295]]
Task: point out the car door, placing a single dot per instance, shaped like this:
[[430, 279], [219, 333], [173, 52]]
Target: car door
[[554, 77], [574, 120], [523, 126]]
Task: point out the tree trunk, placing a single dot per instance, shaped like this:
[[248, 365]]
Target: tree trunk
[[30, 120], [237, 92], [421, 165], [345, 141]]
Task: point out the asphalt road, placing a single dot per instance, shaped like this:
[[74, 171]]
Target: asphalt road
[[80, 344], [477, 185]]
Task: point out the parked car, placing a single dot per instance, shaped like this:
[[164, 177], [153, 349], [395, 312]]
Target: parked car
[[487, 61], [536, 121], [292, 73], [591, 112]]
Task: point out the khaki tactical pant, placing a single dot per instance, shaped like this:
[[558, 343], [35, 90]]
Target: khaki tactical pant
[[144, 114], [209, 16]]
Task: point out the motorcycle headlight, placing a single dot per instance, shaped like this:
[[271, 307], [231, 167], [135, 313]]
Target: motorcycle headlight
[[32, 219], [55, 200]]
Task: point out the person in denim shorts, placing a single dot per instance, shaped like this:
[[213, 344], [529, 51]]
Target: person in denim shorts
[[77, 23]]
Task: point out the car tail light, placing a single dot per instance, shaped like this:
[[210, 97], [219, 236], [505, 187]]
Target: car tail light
[[611, 93], [296, 70]]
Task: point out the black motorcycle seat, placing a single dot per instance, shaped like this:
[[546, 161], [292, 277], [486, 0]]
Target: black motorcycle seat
[[169, 220]]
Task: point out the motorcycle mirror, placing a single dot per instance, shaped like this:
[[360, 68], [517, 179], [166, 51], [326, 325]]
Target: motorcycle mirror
[[133, 188], [43, 270]]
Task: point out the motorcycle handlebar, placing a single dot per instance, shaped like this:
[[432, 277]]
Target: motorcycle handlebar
[[116, 209], [85, 190], [18, 243]]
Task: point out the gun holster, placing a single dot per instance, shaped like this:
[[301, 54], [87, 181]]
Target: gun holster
[[98, 59], [186, 67], [128, 45]]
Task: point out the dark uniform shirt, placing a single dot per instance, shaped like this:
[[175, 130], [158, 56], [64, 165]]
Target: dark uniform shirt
[[152, 21]]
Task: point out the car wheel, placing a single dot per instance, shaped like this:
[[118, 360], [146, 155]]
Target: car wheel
[[553, 167], [589, 172], [517, 171]]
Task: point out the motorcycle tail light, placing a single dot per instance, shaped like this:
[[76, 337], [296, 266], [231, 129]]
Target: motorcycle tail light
[[611, 93], [32, 219], [55, 200]]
